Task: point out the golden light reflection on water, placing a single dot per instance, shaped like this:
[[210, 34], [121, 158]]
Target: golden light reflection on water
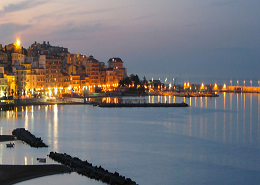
[[237, 102], [25, 160], [26, 118], [215, 126], [251, 118], [230, 129], [244, 120], [224, 94], [258, 120], [237, 119], [55, 128], [230, 101], [201, 127], [224, 128]]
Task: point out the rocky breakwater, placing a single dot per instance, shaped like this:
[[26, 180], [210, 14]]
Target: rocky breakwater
[[29, 138], [93, 172]]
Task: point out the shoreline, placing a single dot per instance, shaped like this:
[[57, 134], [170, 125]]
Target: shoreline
[[10, 174], [4, 138]]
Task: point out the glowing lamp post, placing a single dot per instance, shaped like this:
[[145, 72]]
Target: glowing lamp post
[[202, 86], [224, 86]]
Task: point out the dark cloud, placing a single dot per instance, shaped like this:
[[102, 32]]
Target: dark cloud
[[9, 29], [223, 3], [21, 6]]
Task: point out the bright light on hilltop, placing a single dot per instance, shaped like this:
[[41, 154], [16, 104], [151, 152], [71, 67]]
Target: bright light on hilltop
[[18, 43]]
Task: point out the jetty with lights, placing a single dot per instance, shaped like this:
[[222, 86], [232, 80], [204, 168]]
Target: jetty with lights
[[119, 105]]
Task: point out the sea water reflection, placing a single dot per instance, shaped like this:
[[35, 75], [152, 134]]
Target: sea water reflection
[[141, 142]]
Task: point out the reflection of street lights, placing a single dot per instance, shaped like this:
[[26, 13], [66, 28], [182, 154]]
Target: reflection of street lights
[[244, 82], [237, 83], [231, 82], [84, 91]]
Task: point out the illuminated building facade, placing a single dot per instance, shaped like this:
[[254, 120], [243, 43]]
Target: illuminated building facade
[[117, 65], [53, 79], [46, 69], [92, 70], [20, 76], [11, 83]]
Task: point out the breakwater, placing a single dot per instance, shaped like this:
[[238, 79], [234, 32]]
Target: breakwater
[[113, 105], [6, 107], [85, 168], [29, 138]]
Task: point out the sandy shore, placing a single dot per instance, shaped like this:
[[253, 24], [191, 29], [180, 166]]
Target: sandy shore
[[10, 174]]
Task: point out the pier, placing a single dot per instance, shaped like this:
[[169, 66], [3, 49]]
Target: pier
[[118, 105]]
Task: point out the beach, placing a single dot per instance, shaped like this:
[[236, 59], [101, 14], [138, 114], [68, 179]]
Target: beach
[[10, 174]]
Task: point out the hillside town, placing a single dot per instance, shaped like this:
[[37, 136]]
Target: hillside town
[[43, 70], [46, 70]]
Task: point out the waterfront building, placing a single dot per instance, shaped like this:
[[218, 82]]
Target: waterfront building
[[117, 65], [3, 83], [39, 85], [20, 78], [75, 83], [102, 75], [92, 70], [11, 83], [155, 85], [65, 83], [52, 66], [111, 78]]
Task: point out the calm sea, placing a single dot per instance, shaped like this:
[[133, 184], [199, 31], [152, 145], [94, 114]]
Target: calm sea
[[214, 141]]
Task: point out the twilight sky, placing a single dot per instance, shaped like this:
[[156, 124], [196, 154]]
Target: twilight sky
[[168, 38]]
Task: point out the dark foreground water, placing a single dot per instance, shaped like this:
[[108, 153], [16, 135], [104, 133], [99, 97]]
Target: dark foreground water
[[214, 141]]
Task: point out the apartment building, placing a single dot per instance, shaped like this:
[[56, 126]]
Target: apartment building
[[92, 70]]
